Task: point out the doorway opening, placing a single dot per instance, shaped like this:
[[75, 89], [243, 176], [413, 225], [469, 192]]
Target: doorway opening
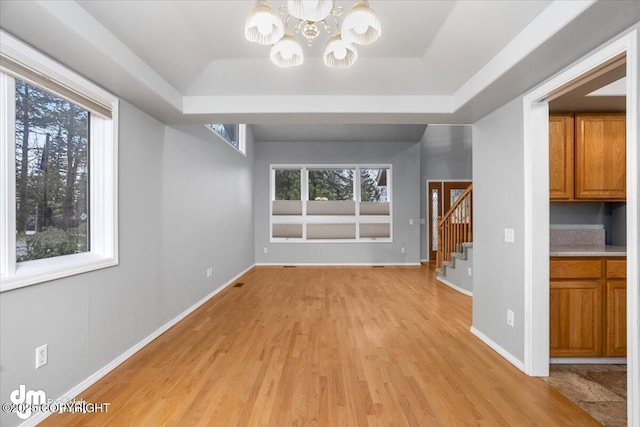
[[587, 177], [537, 218], [441, 195]]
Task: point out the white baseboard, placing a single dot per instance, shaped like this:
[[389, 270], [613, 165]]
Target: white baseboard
[[347, 264], [74, 392], [425, 260], [451, 285], [501, 351], [588, 361]]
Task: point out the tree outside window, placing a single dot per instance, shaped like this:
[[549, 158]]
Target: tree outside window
[[331, 184], [52, 173], [288, 184]]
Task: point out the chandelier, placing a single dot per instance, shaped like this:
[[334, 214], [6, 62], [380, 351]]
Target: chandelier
[[360, 26]]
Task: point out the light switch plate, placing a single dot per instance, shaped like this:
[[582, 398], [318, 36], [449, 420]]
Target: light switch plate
[[508, 235]]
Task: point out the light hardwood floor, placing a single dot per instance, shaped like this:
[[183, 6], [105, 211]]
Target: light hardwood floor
[[333, 346]]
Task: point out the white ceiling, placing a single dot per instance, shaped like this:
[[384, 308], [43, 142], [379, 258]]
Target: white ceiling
[[602, 93], [427, 47], [436, 62], [617, 88]]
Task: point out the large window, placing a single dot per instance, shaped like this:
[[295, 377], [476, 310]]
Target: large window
[[331, 203], [52, 175], [58, 170], [233, 134]]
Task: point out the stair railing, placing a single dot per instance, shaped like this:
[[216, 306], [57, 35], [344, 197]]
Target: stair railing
[[456, 227]]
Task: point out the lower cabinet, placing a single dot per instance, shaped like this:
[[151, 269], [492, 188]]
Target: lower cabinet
[[587, 307], [616, 321]]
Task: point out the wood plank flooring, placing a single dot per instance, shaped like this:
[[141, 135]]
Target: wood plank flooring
[[326, 346]]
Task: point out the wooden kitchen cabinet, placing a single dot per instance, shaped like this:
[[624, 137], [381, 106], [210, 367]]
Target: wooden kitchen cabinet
[[616, 321], [587, 307], [587, 157], [561, 163], [600, 157], [576, 305]]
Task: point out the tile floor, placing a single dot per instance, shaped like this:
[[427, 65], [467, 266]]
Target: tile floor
[[601, 390]]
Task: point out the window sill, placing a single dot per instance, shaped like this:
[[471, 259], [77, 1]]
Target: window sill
[[44, 270]]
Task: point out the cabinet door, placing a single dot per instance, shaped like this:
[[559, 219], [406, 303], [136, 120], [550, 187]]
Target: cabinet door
[[616, 318], [600, 157], [576, 318], [561, 157], [616, 332]]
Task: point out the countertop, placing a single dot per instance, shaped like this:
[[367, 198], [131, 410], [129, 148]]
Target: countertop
[[581, 250]]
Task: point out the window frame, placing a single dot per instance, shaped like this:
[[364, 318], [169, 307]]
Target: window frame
[[103, 178], [306, 219], [242, 137]]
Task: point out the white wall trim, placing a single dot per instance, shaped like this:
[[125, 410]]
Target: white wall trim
[[501, 351], [536, 203], [96, 376], [588, 360], [451, 285]]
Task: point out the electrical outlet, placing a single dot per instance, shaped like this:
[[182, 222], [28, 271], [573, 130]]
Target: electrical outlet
[[403, 250], [411, 221], [265, 250], [469, 271], [42, 356], [209, 272], [423, 221], [510, 320]]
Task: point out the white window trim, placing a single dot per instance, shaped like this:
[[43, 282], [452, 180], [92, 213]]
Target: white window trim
[[103, 178], [304, 219], [242, 138]]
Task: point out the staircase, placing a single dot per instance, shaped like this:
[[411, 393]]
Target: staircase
[[455, 244]]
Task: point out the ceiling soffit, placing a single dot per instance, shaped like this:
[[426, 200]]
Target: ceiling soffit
[[192, 77]]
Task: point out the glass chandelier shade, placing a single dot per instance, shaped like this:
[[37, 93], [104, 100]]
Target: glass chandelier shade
[[361, 25], [287, 52], [310, 10], [263, 25], [338, 53]]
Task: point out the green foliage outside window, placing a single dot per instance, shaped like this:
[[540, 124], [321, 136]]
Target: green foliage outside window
[[288, 184], [52, 175], [331, 184]]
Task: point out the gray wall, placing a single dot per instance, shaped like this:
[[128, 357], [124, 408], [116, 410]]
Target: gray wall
[[445, 154], [186, 204], [498, 267], [619, 224], [498, 282], [405, 160]]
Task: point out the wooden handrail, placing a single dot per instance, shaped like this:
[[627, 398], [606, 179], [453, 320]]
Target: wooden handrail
[[456, 227]]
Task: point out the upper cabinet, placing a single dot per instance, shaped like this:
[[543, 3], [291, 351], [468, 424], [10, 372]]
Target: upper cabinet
[[600, 157], [587, 158], [561, 156]]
